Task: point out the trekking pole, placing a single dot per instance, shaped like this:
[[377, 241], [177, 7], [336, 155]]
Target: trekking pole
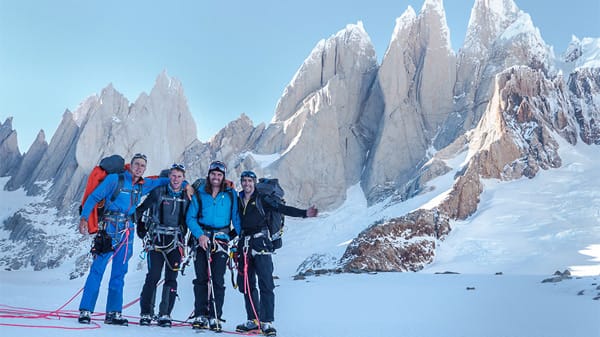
[[210, 281]]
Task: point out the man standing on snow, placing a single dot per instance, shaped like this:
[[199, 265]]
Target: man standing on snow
[[115, 238], [213, 208], [164, 231], [255, 261]]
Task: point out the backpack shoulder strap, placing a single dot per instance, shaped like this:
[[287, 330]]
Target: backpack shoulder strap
[[199, 197], [161, 193], [117, 190], [259, 205], [232, 199]]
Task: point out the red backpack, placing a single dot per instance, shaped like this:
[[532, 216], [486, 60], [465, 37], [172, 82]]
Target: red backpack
[[108, 165]]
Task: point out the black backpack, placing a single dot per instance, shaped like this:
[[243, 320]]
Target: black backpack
[[271, 191]]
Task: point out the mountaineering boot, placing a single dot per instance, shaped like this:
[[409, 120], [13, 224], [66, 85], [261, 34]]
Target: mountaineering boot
[[115, 318], [249, 325], [268, 329], [145, 319], [164, 321], [85, 317], [215, 325], [200, 322]]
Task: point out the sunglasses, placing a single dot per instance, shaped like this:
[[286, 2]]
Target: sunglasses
[[248, 174], [139, 155], [176, 166], [217, 166]]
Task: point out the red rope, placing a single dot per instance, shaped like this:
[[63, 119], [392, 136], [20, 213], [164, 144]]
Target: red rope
[[247, 290], [11, 312]]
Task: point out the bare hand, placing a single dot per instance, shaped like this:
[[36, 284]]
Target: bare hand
[[312, 212], [189, 190], [203, 241], [83, 226]]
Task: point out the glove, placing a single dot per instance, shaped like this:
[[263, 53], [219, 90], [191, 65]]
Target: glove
[[141, 230]]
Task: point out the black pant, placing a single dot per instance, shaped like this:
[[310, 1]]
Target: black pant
[[259, 266], [156, 261], [203, 299]]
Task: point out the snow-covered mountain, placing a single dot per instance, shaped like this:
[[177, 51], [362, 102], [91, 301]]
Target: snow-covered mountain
[[493, 276], [348, 134]]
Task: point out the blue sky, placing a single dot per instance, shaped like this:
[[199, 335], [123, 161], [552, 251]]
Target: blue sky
[[232, 56]]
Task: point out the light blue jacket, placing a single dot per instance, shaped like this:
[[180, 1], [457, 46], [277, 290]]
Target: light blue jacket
[[217, 212]]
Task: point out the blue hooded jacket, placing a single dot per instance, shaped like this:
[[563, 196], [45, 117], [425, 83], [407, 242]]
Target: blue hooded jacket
[[217, 212], [126, 201]]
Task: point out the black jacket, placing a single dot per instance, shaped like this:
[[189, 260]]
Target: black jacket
[[253, 221]]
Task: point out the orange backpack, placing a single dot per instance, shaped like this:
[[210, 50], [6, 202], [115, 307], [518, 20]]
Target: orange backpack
[[108, 165]]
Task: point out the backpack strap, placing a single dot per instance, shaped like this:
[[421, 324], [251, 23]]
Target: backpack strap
[[183, 225], [117, 190], [259, 204], [231, 198], [199, 215], [163, 192]]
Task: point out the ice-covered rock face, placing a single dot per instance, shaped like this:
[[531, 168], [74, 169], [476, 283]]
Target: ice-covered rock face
[[159, 125], [318, 130], [416, 78], [499, 36]]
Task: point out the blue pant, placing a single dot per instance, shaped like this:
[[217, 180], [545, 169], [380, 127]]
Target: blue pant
[[123, 245]]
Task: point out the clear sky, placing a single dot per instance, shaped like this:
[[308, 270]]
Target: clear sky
[[232, 56]]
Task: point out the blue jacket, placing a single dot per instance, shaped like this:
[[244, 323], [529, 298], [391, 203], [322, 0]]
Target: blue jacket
[[217, 212], [125, 201]]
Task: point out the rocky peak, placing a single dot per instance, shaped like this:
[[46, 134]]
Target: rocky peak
[[30, 161], [322, 108], [434, 14], [489, 19], [6, 128], [9, 149], [416, 78], [166, 84], [522, 44], [403, 24], [349, 50], [514, 138], [499, 36], [238, 136], [573, 51], [80, 115]]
